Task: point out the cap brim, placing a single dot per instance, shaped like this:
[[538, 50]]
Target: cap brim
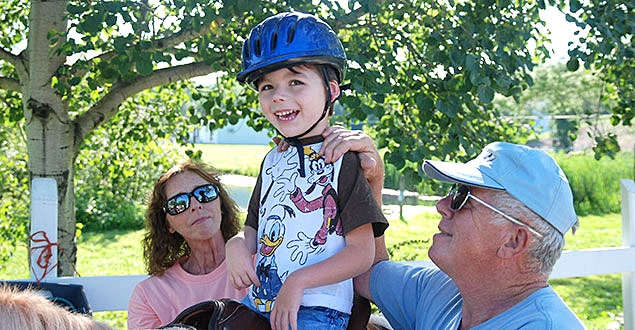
[[459, 173]]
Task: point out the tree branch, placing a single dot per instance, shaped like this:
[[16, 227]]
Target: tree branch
[[159, 44], [108, 106], [353, 16], [16, 61], [10, 84]]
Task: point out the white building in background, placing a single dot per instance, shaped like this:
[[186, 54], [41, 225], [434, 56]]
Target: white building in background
[[240, 133]]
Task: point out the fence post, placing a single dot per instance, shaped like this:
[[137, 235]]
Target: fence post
[[628, 239], [43, 227]]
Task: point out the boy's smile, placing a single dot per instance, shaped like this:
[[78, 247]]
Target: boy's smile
[[293, 99]]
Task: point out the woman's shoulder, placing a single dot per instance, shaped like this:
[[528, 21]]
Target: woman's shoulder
[[168, 275]]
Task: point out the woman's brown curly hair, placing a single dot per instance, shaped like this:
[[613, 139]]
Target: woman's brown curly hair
[[162, 249]]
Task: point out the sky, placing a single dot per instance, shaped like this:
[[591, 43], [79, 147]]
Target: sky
[[561, 33]]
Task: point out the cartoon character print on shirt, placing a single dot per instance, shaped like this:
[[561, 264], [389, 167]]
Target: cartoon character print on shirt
[[283, 185], [267, 270], [321, 176]]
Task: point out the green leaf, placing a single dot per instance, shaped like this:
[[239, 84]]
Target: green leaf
[[120, 44], [379, 98], [111, 20], [74, 81], [91, 24], [485, 94], [424, 103], [472, 63], [573, 64], [74, 9], [144, 65]]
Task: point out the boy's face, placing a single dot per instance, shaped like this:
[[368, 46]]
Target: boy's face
[[292, 99]]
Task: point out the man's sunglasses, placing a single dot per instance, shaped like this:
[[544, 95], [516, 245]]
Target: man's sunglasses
[[181, 202], [460, 193]]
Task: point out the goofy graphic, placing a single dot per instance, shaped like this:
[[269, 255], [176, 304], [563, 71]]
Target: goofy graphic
[[321, 174]]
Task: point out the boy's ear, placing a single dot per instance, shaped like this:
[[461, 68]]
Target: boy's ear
[[335, 90]]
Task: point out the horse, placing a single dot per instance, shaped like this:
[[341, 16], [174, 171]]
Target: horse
[[28, 310]]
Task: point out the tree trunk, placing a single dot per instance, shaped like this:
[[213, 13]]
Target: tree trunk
[[50, 132]]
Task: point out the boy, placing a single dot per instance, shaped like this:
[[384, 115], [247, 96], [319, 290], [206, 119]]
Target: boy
[[310, 223]]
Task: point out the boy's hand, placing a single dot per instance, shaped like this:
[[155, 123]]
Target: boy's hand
[[285, 310], [240, 265]]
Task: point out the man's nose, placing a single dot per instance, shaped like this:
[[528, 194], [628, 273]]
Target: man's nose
[[443, 207]]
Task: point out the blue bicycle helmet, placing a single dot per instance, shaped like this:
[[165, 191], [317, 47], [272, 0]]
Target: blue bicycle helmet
[[290, 38]]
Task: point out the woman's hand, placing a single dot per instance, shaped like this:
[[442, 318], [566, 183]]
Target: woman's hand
[[239, 259], [285, 310]]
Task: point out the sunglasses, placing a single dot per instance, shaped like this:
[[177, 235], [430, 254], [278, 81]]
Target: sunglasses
[[460, 193], [181, 202]]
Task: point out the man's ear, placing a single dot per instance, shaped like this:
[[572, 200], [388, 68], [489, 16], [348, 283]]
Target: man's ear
[[516, 243], [335, 90]]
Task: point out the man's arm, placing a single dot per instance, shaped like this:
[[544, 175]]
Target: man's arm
[[362, 282]]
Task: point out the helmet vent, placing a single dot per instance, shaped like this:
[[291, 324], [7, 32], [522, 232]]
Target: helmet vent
[[274, 40], [246, 51], [257, 47], [291, 33]]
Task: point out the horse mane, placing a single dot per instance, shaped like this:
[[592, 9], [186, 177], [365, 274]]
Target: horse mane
[[28, 310]]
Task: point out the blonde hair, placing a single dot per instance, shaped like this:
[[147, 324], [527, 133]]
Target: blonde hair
[[28, 310]]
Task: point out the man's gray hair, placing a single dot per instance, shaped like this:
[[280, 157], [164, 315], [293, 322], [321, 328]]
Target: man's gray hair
[[543, 252]]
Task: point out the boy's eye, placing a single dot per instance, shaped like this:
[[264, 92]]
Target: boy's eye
[[265, 87], [295, 82]]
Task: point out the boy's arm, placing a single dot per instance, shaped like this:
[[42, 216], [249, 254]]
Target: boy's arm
[[239, 251], [351, 261]]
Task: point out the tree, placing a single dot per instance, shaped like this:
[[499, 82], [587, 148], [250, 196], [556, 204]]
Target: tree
[[571, 98], [427, 71], [607, 46]]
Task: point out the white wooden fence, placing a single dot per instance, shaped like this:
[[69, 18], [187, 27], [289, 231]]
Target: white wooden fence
[[111, 293]]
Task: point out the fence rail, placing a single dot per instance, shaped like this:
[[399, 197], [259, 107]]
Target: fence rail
[[111, 293]]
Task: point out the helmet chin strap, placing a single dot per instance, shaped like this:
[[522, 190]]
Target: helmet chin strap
[[295, 140]]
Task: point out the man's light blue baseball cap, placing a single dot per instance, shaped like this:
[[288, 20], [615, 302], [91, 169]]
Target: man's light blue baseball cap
[[528, 174]]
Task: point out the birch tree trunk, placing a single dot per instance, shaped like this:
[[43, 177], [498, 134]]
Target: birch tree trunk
[[49, 130]]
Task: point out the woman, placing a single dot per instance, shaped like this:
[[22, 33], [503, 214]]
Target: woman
[[189, 218]]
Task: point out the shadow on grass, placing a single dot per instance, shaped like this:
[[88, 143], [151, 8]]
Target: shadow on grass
[[104, 238]]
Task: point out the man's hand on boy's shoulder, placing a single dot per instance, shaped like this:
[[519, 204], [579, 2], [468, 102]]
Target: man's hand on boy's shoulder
[[338, 140]]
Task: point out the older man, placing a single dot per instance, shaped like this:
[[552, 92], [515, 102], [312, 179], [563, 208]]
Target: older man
[[501, 232]]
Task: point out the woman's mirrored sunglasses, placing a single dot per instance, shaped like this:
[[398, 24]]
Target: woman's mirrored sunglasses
[[181, 202], [460, 193]]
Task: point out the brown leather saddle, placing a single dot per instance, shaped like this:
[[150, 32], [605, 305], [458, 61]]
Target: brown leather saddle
[[223, 314]]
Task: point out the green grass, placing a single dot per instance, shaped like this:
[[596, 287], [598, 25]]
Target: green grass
[[597, 300], [235, 159], [115, 252]]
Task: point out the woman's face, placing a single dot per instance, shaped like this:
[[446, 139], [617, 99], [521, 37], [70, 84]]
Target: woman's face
[[200, 221]]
